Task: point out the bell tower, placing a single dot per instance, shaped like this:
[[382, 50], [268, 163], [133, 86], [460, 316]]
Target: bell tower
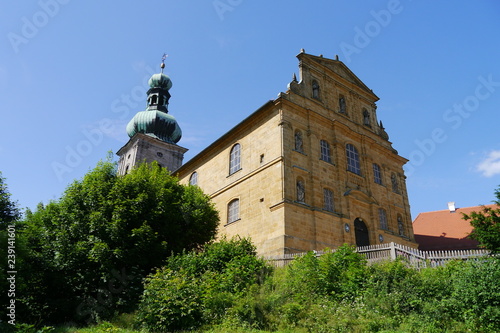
[[153, 133]]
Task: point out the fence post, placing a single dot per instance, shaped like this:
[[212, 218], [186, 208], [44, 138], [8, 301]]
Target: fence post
[[393, 251]]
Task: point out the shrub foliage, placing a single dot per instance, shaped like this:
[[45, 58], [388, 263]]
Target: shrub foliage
[[335, 292], [194, 288]]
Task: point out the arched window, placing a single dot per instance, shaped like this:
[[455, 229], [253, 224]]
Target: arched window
[[193, 180], [342, 106], [233, 211], [315, 89], [366, 118], [299, 144], [328, 200], [325, 151], [377, 174], [382, 217], [394, 182], [153, 100], [401, 228], [235, 159], [353, 164], [301, 191]]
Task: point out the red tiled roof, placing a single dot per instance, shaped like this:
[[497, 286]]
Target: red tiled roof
[[445, 230]]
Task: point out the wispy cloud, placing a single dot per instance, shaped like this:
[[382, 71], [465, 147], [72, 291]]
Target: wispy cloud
[[490, 166]]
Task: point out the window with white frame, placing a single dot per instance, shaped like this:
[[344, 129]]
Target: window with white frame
[[328, 200], [325, 151], [235, 159], [233, 211], [382, 217], [193, 180], [353, 164], [377, 174]]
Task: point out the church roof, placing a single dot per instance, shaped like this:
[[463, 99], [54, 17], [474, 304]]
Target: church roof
[[445, 229]]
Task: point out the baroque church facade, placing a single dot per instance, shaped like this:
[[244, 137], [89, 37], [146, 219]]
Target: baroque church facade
[[310, 170]]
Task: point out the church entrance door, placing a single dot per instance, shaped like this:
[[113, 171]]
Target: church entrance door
[[361, 233]]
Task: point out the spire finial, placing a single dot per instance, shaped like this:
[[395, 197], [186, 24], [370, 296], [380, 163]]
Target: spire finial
[[162, 66]]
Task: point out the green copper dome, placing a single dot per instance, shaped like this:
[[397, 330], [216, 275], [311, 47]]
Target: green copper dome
[[160, 80], [157, 124]]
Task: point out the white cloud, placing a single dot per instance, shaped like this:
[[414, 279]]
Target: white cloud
[[490, 166]]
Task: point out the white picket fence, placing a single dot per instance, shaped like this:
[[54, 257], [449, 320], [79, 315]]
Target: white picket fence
[[392, 251], [415, 257]]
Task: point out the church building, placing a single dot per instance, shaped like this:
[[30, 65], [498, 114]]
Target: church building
[[310, 170]]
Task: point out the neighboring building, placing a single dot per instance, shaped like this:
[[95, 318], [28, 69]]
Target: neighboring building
[[311, 169], [445, 229]]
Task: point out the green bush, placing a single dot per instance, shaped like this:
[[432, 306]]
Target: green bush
[[198, 288], [476, 294], [171, 301], [339, 274]]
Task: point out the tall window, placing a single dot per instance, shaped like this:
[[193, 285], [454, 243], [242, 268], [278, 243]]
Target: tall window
[[234, 159], [299, 144], [301, 191], [353, 159], [325, 151], [328, 200], [193, 180], [382, 217], [233, 211], [377, 174], [394, 182]]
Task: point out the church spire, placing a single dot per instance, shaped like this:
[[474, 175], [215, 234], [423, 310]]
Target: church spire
[[155, 120]]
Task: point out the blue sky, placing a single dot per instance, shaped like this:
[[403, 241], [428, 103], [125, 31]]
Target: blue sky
[[73, 73]]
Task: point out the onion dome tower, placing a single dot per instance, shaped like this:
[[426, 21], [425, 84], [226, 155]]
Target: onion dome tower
[[153, 133]]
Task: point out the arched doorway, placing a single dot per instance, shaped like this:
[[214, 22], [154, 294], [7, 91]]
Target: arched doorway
[[361, 233]]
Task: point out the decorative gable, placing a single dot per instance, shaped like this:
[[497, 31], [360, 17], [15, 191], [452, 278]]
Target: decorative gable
[[337, 67]]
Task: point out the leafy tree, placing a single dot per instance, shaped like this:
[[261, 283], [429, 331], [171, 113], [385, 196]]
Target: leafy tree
[[486, 225], [90, 250], [9, 211]]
